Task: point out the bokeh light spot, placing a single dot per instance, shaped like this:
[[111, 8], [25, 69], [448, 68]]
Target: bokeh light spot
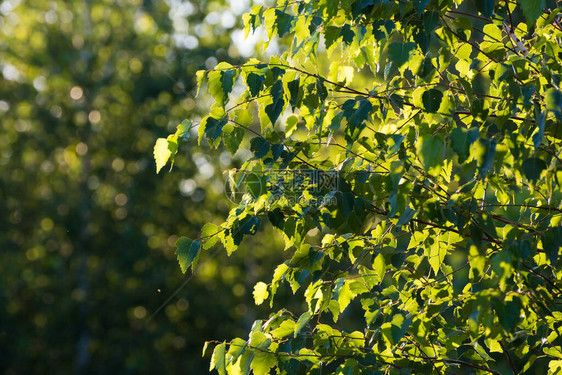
[[76, 93]]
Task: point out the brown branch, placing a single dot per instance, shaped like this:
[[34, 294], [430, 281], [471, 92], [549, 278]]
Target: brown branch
[[494, 115], [458, 362], [543, 277], [261, 136], [510, 19], [359, 156], [509, 358], [469, 15], [474, 45], [422, 352], [523, 205]]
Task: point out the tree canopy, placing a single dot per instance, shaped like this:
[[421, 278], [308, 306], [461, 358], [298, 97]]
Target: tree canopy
[[409, 154]]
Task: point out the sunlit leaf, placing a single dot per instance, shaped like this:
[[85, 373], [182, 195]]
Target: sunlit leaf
[[260, 293], [187, 252], [161, 153]]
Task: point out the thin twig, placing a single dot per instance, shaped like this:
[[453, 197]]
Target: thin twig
[[508, 358]]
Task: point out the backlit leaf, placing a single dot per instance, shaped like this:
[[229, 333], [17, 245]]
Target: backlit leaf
[[260, 292], [430, 148], [218, 360], [303, 320], [187, 252], [161, 153], [209, 235]]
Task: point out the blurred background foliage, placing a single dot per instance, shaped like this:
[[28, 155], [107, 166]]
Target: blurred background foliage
[[87, 227]]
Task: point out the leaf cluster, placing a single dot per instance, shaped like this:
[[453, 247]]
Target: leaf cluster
[[444, 224]]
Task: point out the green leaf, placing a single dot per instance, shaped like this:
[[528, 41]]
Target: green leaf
[[221, 81], [520, 249], [430, 148], [356, 116], [477, 262], [379, 266], [255, 83], [237, 348], [399, 53], [205, 346], [276, 218], [201, 74], [554, 366], [246, 362], [359, 7], [303, 321], [485, 156], [182, 130], [285, 22], [263, 362], [461, 140], [249, 225], [256, 184], [406, 217], [227, 79], [553, 99], [509, 312], [532, 10], [436, 254], [395, 330], [259, 146], [291, 124], [209, 234], [260, 292], [213, 127], [295, 92], [274, 109], [321, 90], [361, 113], [215, 87], [278, 276], [286, 328], [218, 359], [431, 100], [233, 139], [420, 6], [228, 241], [537, 137], [331, 33], [187, 252], [430, 21], [551, 243], [532, 168], [259, 340], [161, 153], [347, 34], [492, 33]]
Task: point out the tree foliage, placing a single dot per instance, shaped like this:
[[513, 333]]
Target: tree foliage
[[427, 155]]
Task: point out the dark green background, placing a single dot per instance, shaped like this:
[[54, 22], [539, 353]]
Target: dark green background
[[87, 228]]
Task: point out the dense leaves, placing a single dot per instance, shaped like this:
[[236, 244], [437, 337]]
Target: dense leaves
[[416, 179]]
